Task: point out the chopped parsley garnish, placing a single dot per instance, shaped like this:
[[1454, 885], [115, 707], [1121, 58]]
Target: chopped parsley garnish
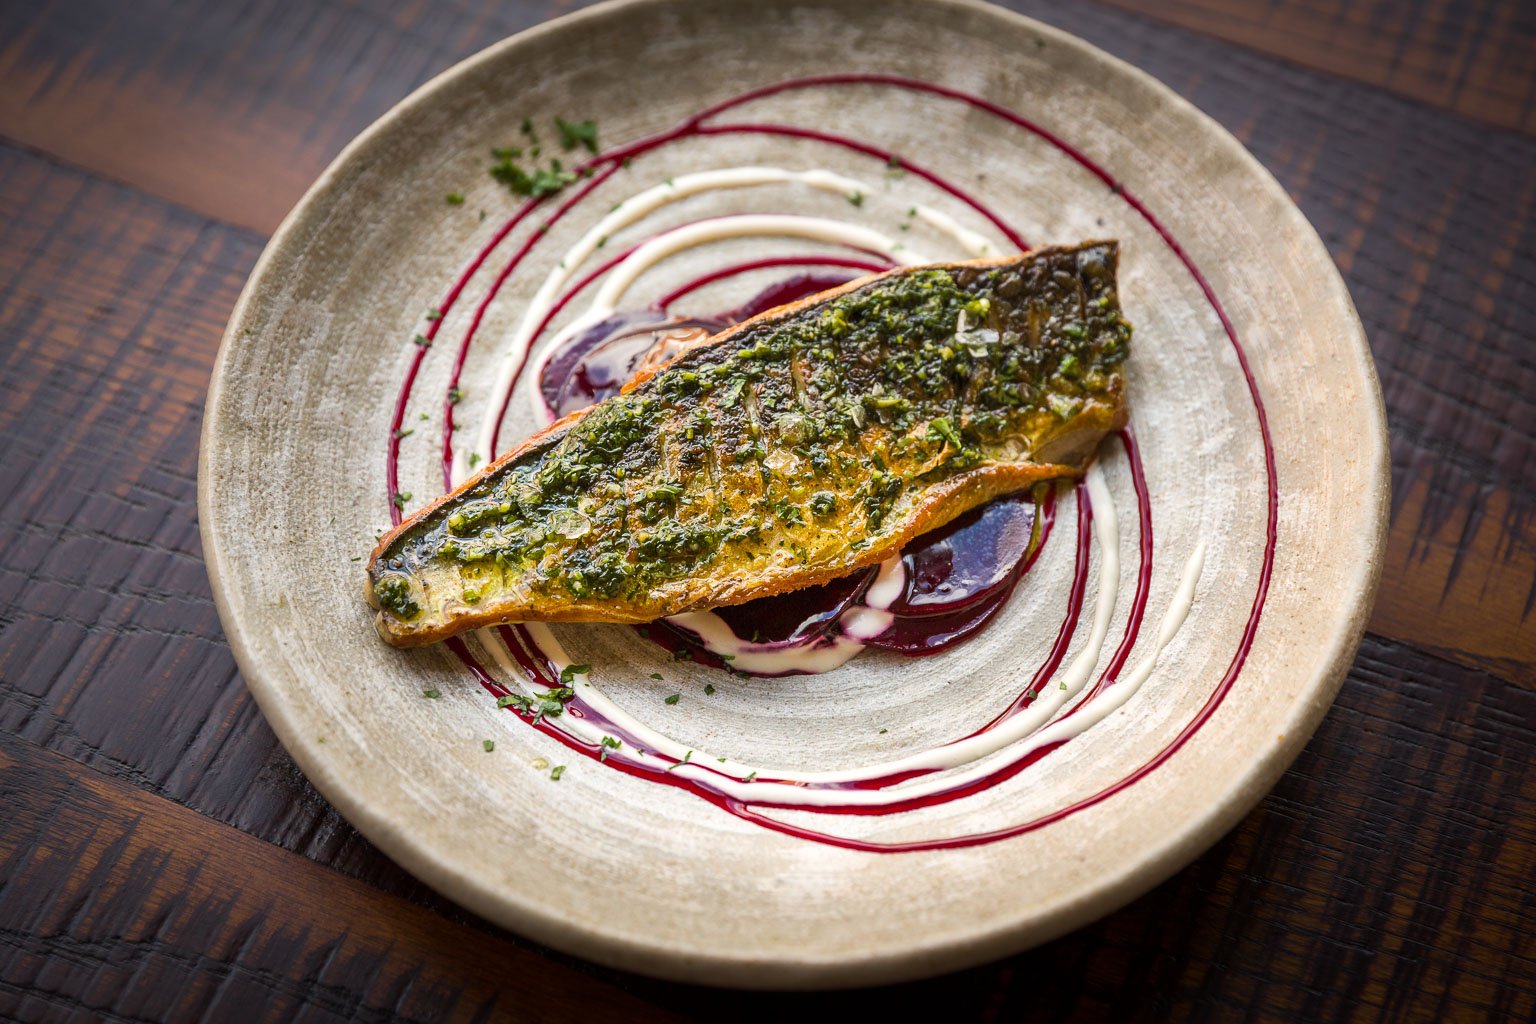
[[655, 675], [570, 672], [400, 498], [489, 745], [672, 698], [434, 314], [709, 689], [549, 180], [543, 181], [455, 395], [434, 694], [941, 429], [609, 743], [856, 198], [549, 704], [555, 772], [686, 758], [474, 459], [454, 198], [535, 181], [402, 434], [422, 340], [577, 133]]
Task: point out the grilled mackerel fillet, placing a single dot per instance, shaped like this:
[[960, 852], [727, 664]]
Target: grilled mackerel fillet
[[786, 451]]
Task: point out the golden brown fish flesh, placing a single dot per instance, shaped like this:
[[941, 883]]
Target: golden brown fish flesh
[[787, 451]]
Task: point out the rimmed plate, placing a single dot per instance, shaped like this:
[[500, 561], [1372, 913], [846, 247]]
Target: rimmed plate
[[1254, 401]]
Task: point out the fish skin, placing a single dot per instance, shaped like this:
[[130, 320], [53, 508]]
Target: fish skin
[[904, 397]]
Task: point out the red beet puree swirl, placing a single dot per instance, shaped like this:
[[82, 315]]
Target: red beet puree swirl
[[957, 576], [953, 576]]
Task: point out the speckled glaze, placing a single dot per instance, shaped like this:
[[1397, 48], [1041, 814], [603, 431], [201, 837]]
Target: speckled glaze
[[650, 878]]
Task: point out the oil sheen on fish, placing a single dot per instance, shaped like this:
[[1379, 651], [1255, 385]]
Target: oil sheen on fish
[[786, 451]]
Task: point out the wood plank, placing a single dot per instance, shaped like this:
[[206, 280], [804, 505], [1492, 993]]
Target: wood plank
[[1463, 582], [1472, 58], [123, 906], [111, 307], [228, 109], [232, 111]]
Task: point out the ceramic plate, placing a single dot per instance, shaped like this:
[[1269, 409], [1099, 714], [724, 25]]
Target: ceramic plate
[[1254, 401]]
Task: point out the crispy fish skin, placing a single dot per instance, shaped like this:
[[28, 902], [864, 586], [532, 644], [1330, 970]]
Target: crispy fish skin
[[787, 451]]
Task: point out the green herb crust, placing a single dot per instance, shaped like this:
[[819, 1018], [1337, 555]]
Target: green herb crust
[[784, 452]]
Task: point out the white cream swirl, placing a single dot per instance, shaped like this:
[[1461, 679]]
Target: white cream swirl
[[1050, 719]]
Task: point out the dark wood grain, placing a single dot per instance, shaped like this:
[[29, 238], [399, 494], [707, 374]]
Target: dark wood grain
[[111, 308], [124, 905], [229, 109], [1473, 58], [152, 145]]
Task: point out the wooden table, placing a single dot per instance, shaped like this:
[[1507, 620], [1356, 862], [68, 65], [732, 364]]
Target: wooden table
[[160, 855]]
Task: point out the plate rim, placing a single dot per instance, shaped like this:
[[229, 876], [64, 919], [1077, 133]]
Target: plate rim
[[1180, 846]]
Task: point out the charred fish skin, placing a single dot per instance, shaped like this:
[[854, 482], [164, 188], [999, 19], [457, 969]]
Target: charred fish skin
[[787, 451]]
